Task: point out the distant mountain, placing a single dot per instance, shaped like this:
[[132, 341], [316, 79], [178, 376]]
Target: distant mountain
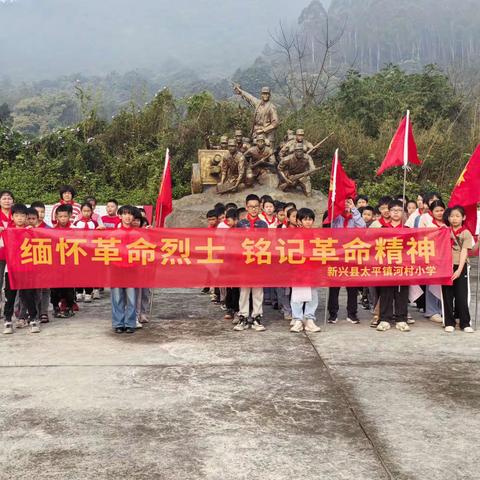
[[48, 38]]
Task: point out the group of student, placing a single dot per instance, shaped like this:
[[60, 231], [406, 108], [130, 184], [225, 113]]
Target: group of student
[[443, 304], [30, 306]]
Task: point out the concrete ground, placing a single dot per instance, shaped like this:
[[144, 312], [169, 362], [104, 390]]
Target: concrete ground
[[188, 398]]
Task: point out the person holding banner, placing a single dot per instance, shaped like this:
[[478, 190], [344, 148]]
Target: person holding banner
[[350, 218], [456, 296], [394, 299], [27, 296], [252, 221], [304, 300], [124, 317]]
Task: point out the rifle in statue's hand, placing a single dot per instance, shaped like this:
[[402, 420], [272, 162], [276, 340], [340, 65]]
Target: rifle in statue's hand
[[294, 179], [319, 144]]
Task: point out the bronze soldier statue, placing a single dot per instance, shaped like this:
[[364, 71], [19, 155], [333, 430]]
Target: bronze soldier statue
[[289, 146], [239, 141], [295, 170], [265, 117], [261, 164], [232, 168]]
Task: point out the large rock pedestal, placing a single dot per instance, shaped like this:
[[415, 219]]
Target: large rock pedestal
[[190, 211]]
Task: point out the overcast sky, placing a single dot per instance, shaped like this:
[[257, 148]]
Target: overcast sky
[[43, 38]]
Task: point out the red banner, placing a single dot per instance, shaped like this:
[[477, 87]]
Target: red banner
[[43, 258]]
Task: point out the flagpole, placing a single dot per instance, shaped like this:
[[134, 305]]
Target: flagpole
[[334, 196], [405, 160], [167, 159], [478, 281]]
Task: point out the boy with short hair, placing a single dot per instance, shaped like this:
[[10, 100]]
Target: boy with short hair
[[252, 203], [124, 317], [303, 311], [242, 213], [27, 296], [40, 208], [394, 299], [383, 208], [63, 298], [212, 219], [111, 219], [367, 215], [361, 201], [32, 217]]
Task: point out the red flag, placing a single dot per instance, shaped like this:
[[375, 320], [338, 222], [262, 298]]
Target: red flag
[[341, 188], [467, 191], [403, 149], [164, 200]]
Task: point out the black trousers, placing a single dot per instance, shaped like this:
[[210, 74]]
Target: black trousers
[[393, 299], [232, 299], [58, 293], [28, 297], [333, 306], [455, 299]]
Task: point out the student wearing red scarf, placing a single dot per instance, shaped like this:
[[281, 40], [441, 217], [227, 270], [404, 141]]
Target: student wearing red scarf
[[6, 202], [67, 195], [252, 221], [433, 305], [462, 242], [394, 299], [350, 218]]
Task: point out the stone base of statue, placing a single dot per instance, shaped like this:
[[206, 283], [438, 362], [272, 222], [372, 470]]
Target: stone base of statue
[[190, 211]]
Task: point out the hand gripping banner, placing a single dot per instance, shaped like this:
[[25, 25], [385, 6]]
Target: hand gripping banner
[[168, 258]]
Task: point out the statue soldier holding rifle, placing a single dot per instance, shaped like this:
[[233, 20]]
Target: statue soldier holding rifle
[[296, 169]]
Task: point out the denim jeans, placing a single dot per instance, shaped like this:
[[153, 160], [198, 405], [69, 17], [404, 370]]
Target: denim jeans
[[123, 307], [143, 301], [433, 305], [306, 310]]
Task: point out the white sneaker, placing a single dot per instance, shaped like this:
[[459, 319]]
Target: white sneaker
[[138, 325], [8, 328], [449, 329], [297, 326], [88, 298], [383, 327], [292, 322], [79, 297], [96, 294], [469, 330], [402, 326], [311, 326], [410, 320], [436, 318], [34, 328]]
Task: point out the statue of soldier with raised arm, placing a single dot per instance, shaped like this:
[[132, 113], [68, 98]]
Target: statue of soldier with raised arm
[[265, 117]]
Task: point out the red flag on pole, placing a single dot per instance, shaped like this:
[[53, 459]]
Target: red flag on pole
[[341, 188], [403, 149], [164, 201], [467, 191]]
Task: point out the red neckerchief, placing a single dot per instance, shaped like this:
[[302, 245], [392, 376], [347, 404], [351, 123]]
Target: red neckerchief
[[274, 219], [42, 225], [6, 218], [455, 234], [86, 221], [346, 218], [435, 222], [122, 227], [252, 220], [63, 202], [384, 223]]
